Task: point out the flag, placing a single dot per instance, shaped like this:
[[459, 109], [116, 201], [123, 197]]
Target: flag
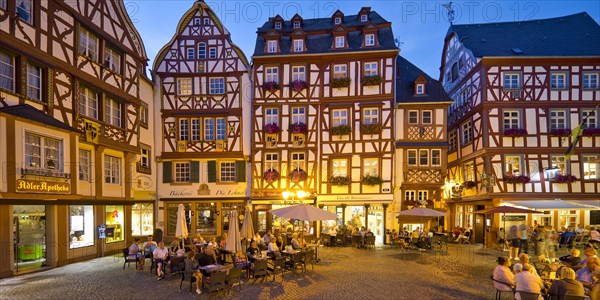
[[575, 136]]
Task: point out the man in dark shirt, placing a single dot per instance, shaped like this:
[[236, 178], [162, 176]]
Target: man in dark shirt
[[252, 250], [205, 259]]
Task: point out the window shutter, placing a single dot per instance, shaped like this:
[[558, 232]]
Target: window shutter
[[195, 171], [212, 171], [167, 171], [240, 170]]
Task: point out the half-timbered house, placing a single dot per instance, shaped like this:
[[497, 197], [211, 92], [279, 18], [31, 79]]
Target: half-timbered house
[[516, 99], [323, 116], [421, 142], [202, 89], [74, 132]]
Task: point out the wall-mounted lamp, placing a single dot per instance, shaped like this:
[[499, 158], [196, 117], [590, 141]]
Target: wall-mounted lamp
[[550, 173]]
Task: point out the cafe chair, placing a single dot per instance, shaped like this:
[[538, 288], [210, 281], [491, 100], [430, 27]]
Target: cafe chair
[[176, 265], [234, 278], [216, 282], [259, 270], [128, 259], [185, 275], [370, 241], [528, 296], [499, 292], [310, 258], [298, 262], [277, 267]]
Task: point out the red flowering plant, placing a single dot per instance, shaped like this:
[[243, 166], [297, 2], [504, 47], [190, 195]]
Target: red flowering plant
[[591, 132], [298, 85], [271, 128], [560, 132], [298, 175], [516, 179], [298, 128], [271, 175], [564, 179], [271, 86], [515, 132]]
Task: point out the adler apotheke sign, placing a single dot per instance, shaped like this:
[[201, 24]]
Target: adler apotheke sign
[[37, 186]]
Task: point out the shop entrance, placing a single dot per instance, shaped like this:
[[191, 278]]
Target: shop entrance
[[29, 237]]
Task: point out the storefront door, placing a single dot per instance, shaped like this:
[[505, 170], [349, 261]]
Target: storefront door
[[29, 223]]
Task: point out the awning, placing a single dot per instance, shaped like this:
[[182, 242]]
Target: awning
[[556, 204]]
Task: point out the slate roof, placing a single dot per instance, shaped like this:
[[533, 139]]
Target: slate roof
[[321, 43], [573, 35], [406, 74], [29, 112]]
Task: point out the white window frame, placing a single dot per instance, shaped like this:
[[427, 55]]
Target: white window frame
[[191, 53], [201, 50], [411, 157], [410, 195], [298, 115], [370, 166], [370, 115], [364, 18], [85, 165], [227, 171], [371, 69], [558, 119], [182, 172], [112, 169], [558, 80], [452, 141], [339, 117], [296, 24], [511, 119], [591, 166], [220, 129], [298, 73], [420, 88], [592, 118], [590, 80], [298, 160], [212, 52], [436, 157], [40, 150], [413, 117], [112, 60], [144, 115], [271, 46], [464, 97], [423, 157], [339, 167], [34, 82], [88, 102], [467, 132], [509, 165], [369, 39], [337, 20], [184, 130], [561, 162], [216, 86], [340, 71], [469, 171], [272, 161], [25, 10], [7, 71], [210, 127], [184, 86], [196, 129], [88, 44], [278, 25], [145, 158], [340, 42], [272, 74], [206, 21], [422, 195], [511, 81], [298, 45], [425, 118], [112, 112]]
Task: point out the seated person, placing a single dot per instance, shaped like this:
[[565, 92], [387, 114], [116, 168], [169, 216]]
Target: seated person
[[240, 261], [191, 265], [567, 284], [504, 279], [252, 250], [573, 259], [223, 240], [589, 274], [594, 235], [210, 250], [280, 243], [588, 252], [523, 260], [273, 251], [161, 255], [205, 259], [135, 252], [149, 247], [175, 245], [526, 281], [267, 237], [295, 241]]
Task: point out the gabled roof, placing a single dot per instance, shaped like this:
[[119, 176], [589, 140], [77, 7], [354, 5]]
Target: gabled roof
[[573, 35], [406, 75], [29, 112]]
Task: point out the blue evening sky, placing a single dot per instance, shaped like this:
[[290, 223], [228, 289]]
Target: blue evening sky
[[420, 26]]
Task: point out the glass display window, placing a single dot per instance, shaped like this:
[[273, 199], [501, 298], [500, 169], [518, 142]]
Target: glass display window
[[115, 219], [206, 223], [142, 219], [81, 226]]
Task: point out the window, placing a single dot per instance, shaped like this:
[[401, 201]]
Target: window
[[411, 157], [298, 45], [201, 50], [511, 119], [363, 18], [410, 196], [3, 4], [227, 171], [184, 126], [88, 102], [112, 60], [184, 86], [298, 73], [272, 116], [81, 226], [337, 21], [196, 22], [371, 167], [464, 97], [339, 167], [85, 165], [420, 89], [142, 219], [369, 39], [221, 129], [271, 161], [426, 117], [370, 116], [469, 171], [558, 119], [190, 53], [467, 133], [217, 86], [436, 157], [452, 141], [144, 116], [413, 117], [43, 152], [271, 74], [145, 159], [512, 165], [512, 81], [370, 69], [209, 129], [195, 129], [182, 172], [590, 80], [88, 44], [298, 161], [206, 21], [591, 166], [206, 223], [115, 218], [454, 72], [7, 72], [423, 157], [271, 46], [558, 80], [25, 10], [559, 162], [112, 112], [296, 24], [340, 42], [112, 169], [277, 25], [298, 115], [340, 117], [422, 196], [34, 82], [212, 52], [590, 118], [340, 71]]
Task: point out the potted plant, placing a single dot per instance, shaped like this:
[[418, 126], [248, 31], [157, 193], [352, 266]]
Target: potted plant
[[371, 180], [410, 203], [564, 179], [560, 132], [271, 175], [373, 128], [340, 180], [591, 132], [298, 128], [516, 179], [342, 82], [270, 86], [271, 128], [469, 184], [298, 175], [340, 130], [371, 80], [515, 132], [298, 85]]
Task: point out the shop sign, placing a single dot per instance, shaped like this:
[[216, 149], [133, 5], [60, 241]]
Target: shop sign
[[346, 198], [181, 146], [92, 132], [38, 186], [514, 218]]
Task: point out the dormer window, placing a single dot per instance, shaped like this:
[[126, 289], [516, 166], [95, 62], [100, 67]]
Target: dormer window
[[340, 42], [298, 45], [370, 39], [337, 21], [271, 46], [296, 24], [278, 25], [363, 18], [420, 88]]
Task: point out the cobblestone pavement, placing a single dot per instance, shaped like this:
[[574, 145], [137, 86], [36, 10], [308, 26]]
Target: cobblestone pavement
[[342, 273]]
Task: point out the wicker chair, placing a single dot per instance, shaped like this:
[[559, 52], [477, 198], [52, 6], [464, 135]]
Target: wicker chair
[[216, 282], [499, 292], [234, 278], [528, 295], [277, 267], [259, 270], [128, 259]]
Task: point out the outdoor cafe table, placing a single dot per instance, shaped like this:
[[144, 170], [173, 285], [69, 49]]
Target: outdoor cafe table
[[208, 269]]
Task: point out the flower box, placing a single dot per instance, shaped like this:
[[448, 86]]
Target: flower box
[[591, 132], [560, 132], [271, 128], [298, 175], [564, 179], [517, 179], [271, 175], [515, 132], [371, 80], [469, 184], [340, 180], [298, 128], [337, 83], [341, 130], [370, 128], [298, 85], [270, 86], [371, 180]]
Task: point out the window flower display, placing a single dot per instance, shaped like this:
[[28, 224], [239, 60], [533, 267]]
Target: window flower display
[[298, 85], [298, 175], [271, 175], [271, 128], [270, 86], [517, 179], [298, 128], [515, 132]]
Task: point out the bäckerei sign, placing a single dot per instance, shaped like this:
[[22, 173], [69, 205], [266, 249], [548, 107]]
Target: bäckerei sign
[[36, 186]]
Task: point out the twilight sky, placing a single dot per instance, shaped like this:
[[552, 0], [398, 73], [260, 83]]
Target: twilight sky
[[420, 26]]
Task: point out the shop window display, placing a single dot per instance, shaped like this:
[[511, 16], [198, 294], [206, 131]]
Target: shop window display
[[115, 218], [81, 226], [206, 222], [142, 216]]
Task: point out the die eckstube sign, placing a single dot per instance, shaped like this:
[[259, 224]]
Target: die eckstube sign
[[37, 186]]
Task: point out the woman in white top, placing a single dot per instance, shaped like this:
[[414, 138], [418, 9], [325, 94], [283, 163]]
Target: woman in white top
[[273, 250], [526, 281], [503, 274]]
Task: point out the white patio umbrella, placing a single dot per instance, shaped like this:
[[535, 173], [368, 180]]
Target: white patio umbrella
[[247, 227], [304, 212], [181, 230], [234, 238], [422, 212]]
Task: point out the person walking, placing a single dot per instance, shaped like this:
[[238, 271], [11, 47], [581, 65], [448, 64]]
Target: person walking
[[514, 242], [524, 238]]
